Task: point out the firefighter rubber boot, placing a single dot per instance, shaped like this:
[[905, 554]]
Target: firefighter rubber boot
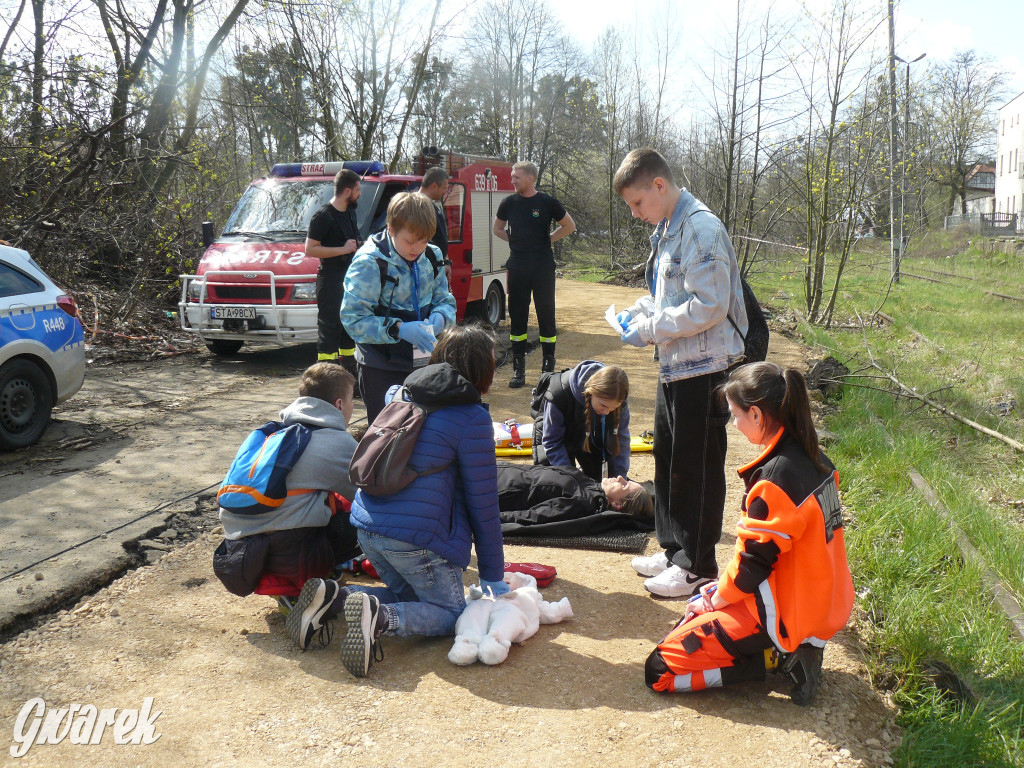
[[518, 371], [548, 364], [804, 668]]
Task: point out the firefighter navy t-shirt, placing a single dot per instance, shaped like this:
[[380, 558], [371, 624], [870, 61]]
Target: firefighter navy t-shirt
[[333, 228], [529, 224]]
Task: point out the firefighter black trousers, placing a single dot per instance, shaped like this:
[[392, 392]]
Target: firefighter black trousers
[[536, 280], [332, 338]]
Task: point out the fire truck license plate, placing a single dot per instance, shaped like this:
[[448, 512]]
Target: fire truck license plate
[[233, 313]]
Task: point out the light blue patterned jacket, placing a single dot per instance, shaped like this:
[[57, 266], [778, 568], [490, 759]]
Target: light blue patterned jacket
[[368, 309]]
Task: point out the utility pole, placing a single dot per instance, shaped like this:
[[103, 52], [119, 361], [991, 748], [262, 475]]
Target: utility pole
[[894, 238], [906, 149]]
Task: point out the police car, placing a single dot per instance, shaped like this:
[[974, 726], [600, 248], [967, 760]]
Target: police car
[[42, 348]]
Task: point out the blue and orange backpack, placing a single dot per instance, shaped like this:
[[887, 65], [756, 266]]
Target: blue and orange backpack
[[256, 482]]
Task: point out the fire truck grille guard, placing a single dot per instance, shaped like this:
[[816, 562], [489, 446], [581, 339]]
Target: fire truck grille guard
[[279, 317], [244, 292]]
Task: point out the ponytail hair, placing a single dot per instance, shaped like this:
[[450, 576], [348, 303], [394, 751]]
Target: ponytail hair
[[781, 394], [610, 383]]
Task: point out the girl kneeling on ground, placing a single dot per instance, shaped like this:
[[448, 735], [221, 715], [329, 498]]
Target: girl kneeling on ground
[[584, 420], [788, 589], [420, 539]]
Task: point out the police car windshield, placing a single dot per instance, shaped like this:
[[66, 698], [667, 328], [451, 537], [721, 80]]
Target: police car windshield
[[276, 207]]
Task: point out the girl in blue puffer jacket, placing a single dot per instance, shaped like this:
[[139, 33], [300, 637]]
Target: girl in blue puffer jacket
[[421, 538]]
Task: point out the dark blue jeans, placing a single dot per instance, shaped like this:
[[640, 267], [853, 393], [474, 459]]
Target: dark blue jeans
[[425, 589]]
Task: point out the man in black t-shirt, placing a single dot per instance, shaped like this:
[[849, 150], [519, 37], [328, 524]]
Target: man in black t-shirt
[[524, 220], [435, 186], [333, 237]]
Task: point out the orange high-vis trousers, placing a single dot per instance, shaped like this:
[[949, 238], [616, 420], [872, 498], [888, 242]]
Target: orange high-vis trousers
[[710, 650]]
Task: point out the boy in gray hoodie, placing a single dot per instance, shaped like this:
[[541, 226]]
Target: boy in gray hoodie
[[277, 552]]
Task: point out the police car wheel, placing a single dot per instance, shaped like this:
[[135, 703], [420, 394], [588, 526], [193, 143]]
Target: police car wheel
[[224, 347], [25, 403]]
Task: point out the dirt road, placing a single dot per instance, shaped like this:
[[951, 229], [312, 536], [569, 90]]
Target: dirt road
[[230, 688]]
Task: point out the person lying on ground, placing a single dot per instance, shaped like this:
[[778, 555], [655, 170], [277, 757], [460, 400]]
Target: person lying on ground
[[539, 500]]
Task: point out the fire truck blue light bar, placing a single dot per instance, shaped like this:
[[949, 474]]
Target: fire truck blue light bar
[[362, 167]]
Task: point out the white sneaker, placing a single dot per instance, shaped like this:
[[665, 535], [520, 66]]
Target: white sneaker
[[675, 582], [651, 565]]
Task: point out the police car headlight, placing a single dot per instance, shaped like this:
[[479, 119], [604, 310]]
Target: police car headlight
[[304, 292], [193, 290]]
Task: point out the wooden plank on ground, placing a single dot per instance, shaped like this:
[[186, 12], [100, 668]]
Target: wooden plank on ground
[[1002, 596]]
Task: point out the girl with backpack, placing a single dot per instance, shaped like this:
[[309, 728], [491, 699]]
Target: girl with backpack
[[788, 588], [420, 538], [582, 418]]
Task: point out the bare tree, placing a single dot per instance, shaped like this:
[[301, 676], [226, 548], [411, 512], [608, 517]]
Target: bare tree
[[825, 70], [965, 90]]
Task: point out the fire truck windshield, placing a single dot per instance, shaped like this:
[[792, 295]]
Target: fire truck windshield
[[270, 207]]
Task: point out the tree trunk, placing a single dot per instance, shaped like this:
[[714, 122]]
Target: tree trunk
[[35, 119]]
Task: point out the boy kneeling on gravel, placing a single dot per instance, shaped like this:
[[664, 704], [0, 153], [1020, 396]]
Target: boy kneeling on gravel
[[276, 552]]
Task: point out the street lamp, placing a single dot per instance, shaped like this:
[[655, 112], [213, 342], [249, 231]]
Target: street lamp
[[906, 142]]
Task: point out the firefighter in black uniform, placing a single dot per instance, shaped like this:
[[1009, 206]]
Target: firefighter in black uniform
[[435, 186], [524, 220], [333, 237]]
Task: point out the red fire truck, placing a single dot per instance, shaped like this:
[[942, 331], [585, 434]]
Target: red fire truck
[[255, 283]]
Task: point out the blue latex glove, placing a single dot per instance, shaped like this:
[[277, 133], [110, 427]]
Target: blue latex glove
[[437, 319], [632, 336], [418, 335], [623, 319], [494, 588]]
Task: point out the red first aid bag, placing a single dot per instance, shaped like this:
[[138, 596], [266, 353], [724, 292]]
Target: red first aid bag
[[544, 574]]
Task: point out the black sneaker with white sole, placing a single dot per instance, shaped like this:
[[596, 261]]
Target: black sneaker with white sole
[[307, 614], [366, 623]]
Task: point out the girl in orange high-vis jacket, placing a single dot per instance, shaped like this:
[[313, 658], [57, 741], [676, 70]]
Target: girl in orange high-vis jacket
[[788, 588]]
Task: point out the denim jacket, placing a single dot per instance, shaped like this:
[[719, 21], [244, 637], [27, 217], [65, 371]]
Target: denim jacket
[[694, 280]]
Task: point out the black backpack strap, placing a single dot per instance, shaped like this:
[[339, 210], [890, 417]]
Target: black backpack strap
[[559, 392], [436, 262], [737, 328]]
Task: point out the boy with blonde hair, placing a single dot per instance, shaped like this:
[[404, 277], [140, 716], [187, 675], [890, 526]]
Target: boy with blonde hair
[[396, 299], [694, 284], [278, 551]]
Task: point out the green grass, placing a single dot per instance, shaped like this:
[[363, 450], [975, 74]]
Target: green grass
[[589, 266], [924, 606]]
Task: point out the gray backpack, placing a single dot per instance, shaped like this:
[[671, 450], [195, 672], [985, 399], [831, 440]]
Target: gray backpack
[[380, 464]]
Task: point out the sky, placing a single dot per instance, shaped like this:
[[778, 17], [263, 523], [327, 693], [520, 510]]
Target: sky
[[938, 28]]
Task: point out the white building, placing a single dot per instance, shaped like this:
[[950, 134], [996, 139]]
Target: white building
[[1010, 159], [981, 190]]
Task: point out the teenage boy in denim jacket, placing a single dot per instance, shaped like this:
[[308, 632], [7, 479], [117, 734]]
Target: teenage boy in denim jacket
[[695, 286], [397, 299]]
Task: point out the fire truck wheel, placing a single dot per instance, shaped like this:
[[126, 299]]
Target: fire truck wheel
[[224, 347], [494, 305]]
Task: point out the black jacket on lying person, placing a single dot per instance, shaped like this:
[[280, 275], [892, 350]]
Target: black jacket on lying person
[[540, 500]]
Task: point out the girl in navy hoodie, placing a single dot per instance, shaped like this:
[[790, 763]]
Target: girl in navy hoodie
[[420, 539], [584, 420]]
